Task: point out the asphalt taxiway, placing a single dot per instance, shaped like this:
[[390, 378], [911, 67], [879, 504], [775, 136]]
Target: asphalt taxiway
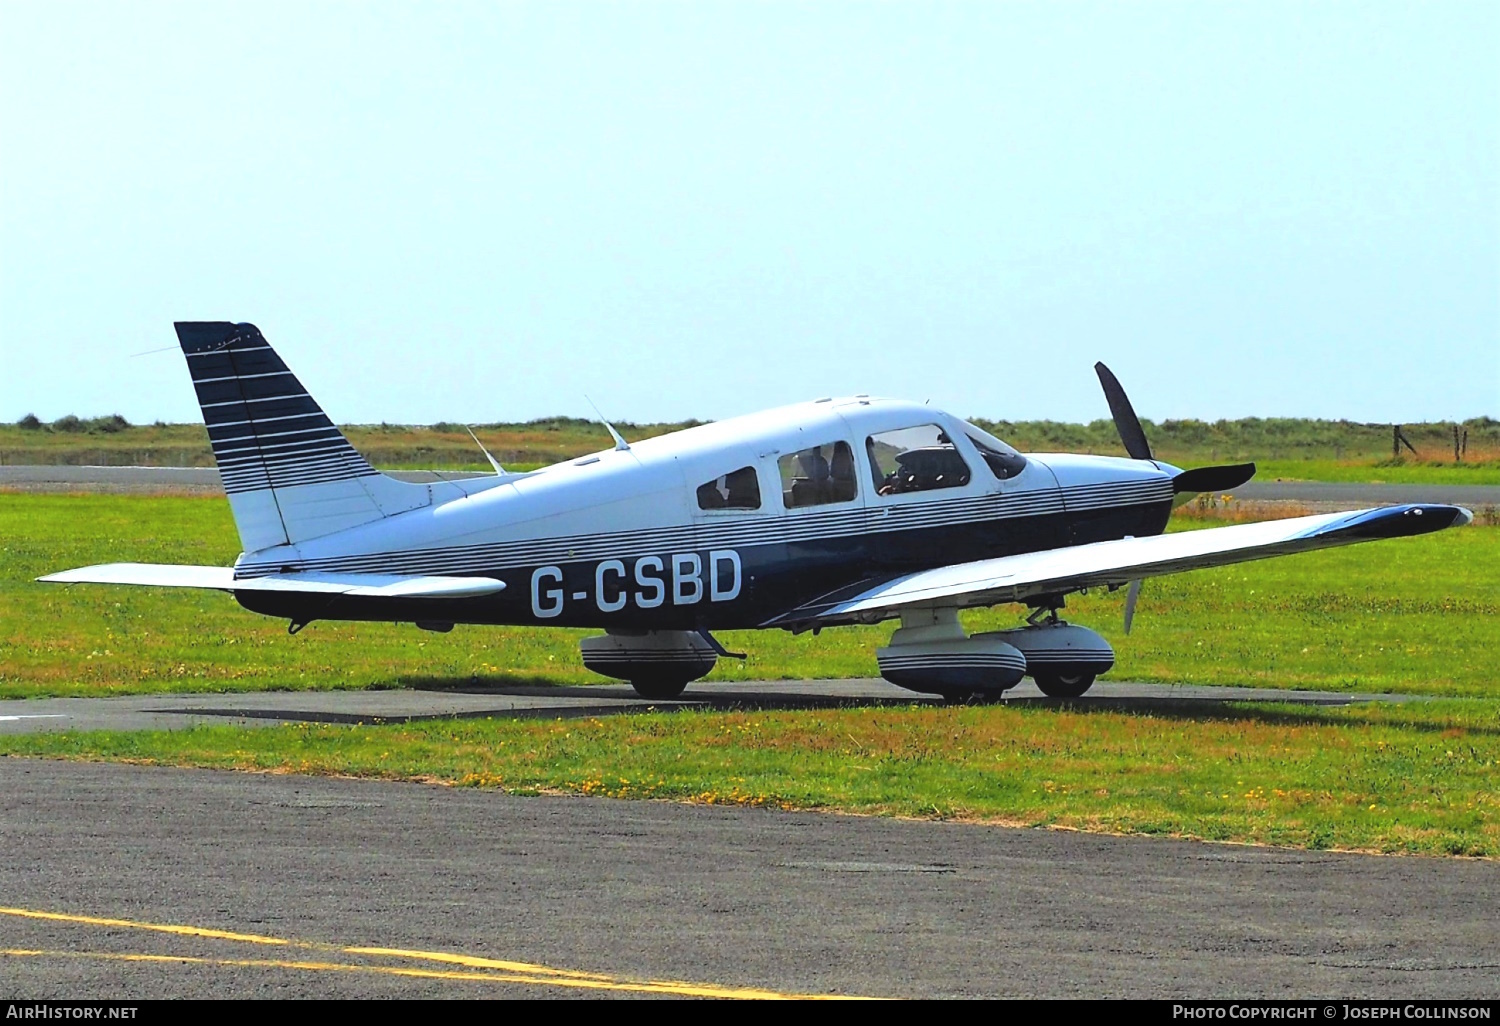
[[131, 882], [266, 708]]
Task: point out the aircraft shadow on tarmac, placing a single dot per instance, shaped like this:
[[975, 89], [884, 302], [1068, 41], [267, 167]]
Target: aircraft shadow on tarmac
[[574, 701], [532, 698]]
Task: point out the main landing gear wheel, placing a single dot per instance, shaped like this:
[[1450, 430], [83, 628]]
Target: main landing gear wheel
[[659, 689], [1056, 685]]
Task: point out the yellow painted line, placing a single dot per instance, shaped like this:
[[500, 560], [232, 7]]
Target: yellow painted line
[[257, 938], [499, 969], [649, 987], [130, 924], [475, 962]]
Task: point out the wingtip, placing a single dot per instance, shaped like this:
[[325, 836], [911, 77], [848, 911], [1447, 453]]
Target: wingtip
[[1403, 521]]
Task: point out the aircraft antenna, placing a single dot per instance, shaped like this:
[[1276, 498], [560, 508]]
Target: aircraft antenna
[[620, 444], [499, 470]]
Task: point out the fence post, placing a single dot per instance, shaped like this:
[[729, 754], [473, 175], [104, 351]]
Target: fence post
[[1456, 457], [1395, 441]]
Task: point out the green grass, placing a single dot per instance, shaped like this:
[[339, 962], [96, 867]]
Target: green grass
[[1413, 778], [1416, 615], [1379, 472]]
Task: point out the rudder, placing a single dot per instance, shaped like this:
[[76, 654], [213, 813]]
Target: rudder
[[290, 474]]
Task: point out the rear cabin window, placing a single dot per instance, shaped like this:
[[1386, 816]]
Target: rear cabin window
[[817, 476], [915, 459], [737, 490]]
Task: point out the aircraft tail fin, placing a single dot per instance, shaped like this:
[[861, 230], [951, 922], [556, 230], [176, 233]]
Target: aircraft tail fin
[[290, 474]]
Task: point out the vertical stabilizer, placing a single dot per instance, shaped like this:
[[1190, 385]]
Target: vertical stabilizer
[[289, 472]]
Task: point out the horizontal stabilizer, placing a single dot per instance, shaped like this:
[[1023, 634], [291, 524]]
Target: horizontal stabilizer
[[221, 578]]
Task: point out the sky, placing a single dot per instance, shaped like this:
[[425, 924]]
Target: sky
[[484, 212]]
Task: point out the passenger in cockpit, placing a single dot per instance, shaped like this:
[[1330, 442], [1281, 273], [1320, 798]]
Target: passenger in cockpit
[[813, 488]]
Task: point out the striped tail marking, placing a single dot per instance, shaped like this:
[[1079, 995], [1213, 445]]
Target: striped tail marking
[[266, 431]]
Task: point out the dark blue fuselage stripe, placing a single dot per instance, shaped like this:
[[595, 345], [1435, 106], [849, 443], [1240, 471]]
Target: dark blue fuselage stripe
[[776, 577]]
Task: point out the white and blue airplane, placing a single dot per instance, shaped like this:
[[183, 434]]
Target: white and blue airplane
[[830, 512]]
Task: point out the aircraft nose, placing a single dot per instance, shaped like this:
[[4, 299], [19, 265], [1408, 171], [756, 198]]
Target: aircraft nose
[[1074, 470]]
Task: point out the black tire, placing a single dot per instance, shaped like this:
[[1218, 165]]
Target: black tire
[[1057, 685], [659, 689]]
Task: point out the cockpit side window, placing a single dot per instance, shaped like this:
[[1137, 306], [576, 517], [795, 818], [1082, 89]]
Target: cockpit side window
[[1003, 461], [818, 476], [737, 490], [915, 459]]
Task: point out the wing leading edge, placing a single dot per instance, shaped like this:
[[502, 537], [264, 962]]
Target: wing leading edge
[[221, 578], [1114, 563]]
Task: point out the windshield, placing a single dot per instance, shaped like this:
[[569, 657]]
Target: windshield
[[915, 459], [1003, 461]]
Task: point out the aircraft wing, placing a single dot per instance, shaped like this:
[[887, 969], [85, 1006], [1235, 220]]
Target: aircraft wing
[[1114, 563], [221, 578]]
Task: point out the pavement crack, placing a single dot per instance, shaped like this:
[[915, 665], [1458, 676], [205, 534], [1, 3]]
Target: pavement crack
[[1412, 966], [870, 867]]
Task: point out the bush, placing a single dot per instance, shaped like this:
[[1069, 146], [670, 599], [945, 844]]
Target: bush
[[93, 425], [30, 422]]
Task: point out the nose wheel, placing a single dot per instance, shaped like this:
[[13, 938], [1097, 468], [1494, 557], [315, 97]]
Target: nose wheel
[[659, 689]]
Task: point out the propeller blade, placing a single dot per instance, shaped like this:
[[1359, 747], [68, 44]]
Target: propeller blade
[[1130, 599], [1126, 422], [1213, 479]]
